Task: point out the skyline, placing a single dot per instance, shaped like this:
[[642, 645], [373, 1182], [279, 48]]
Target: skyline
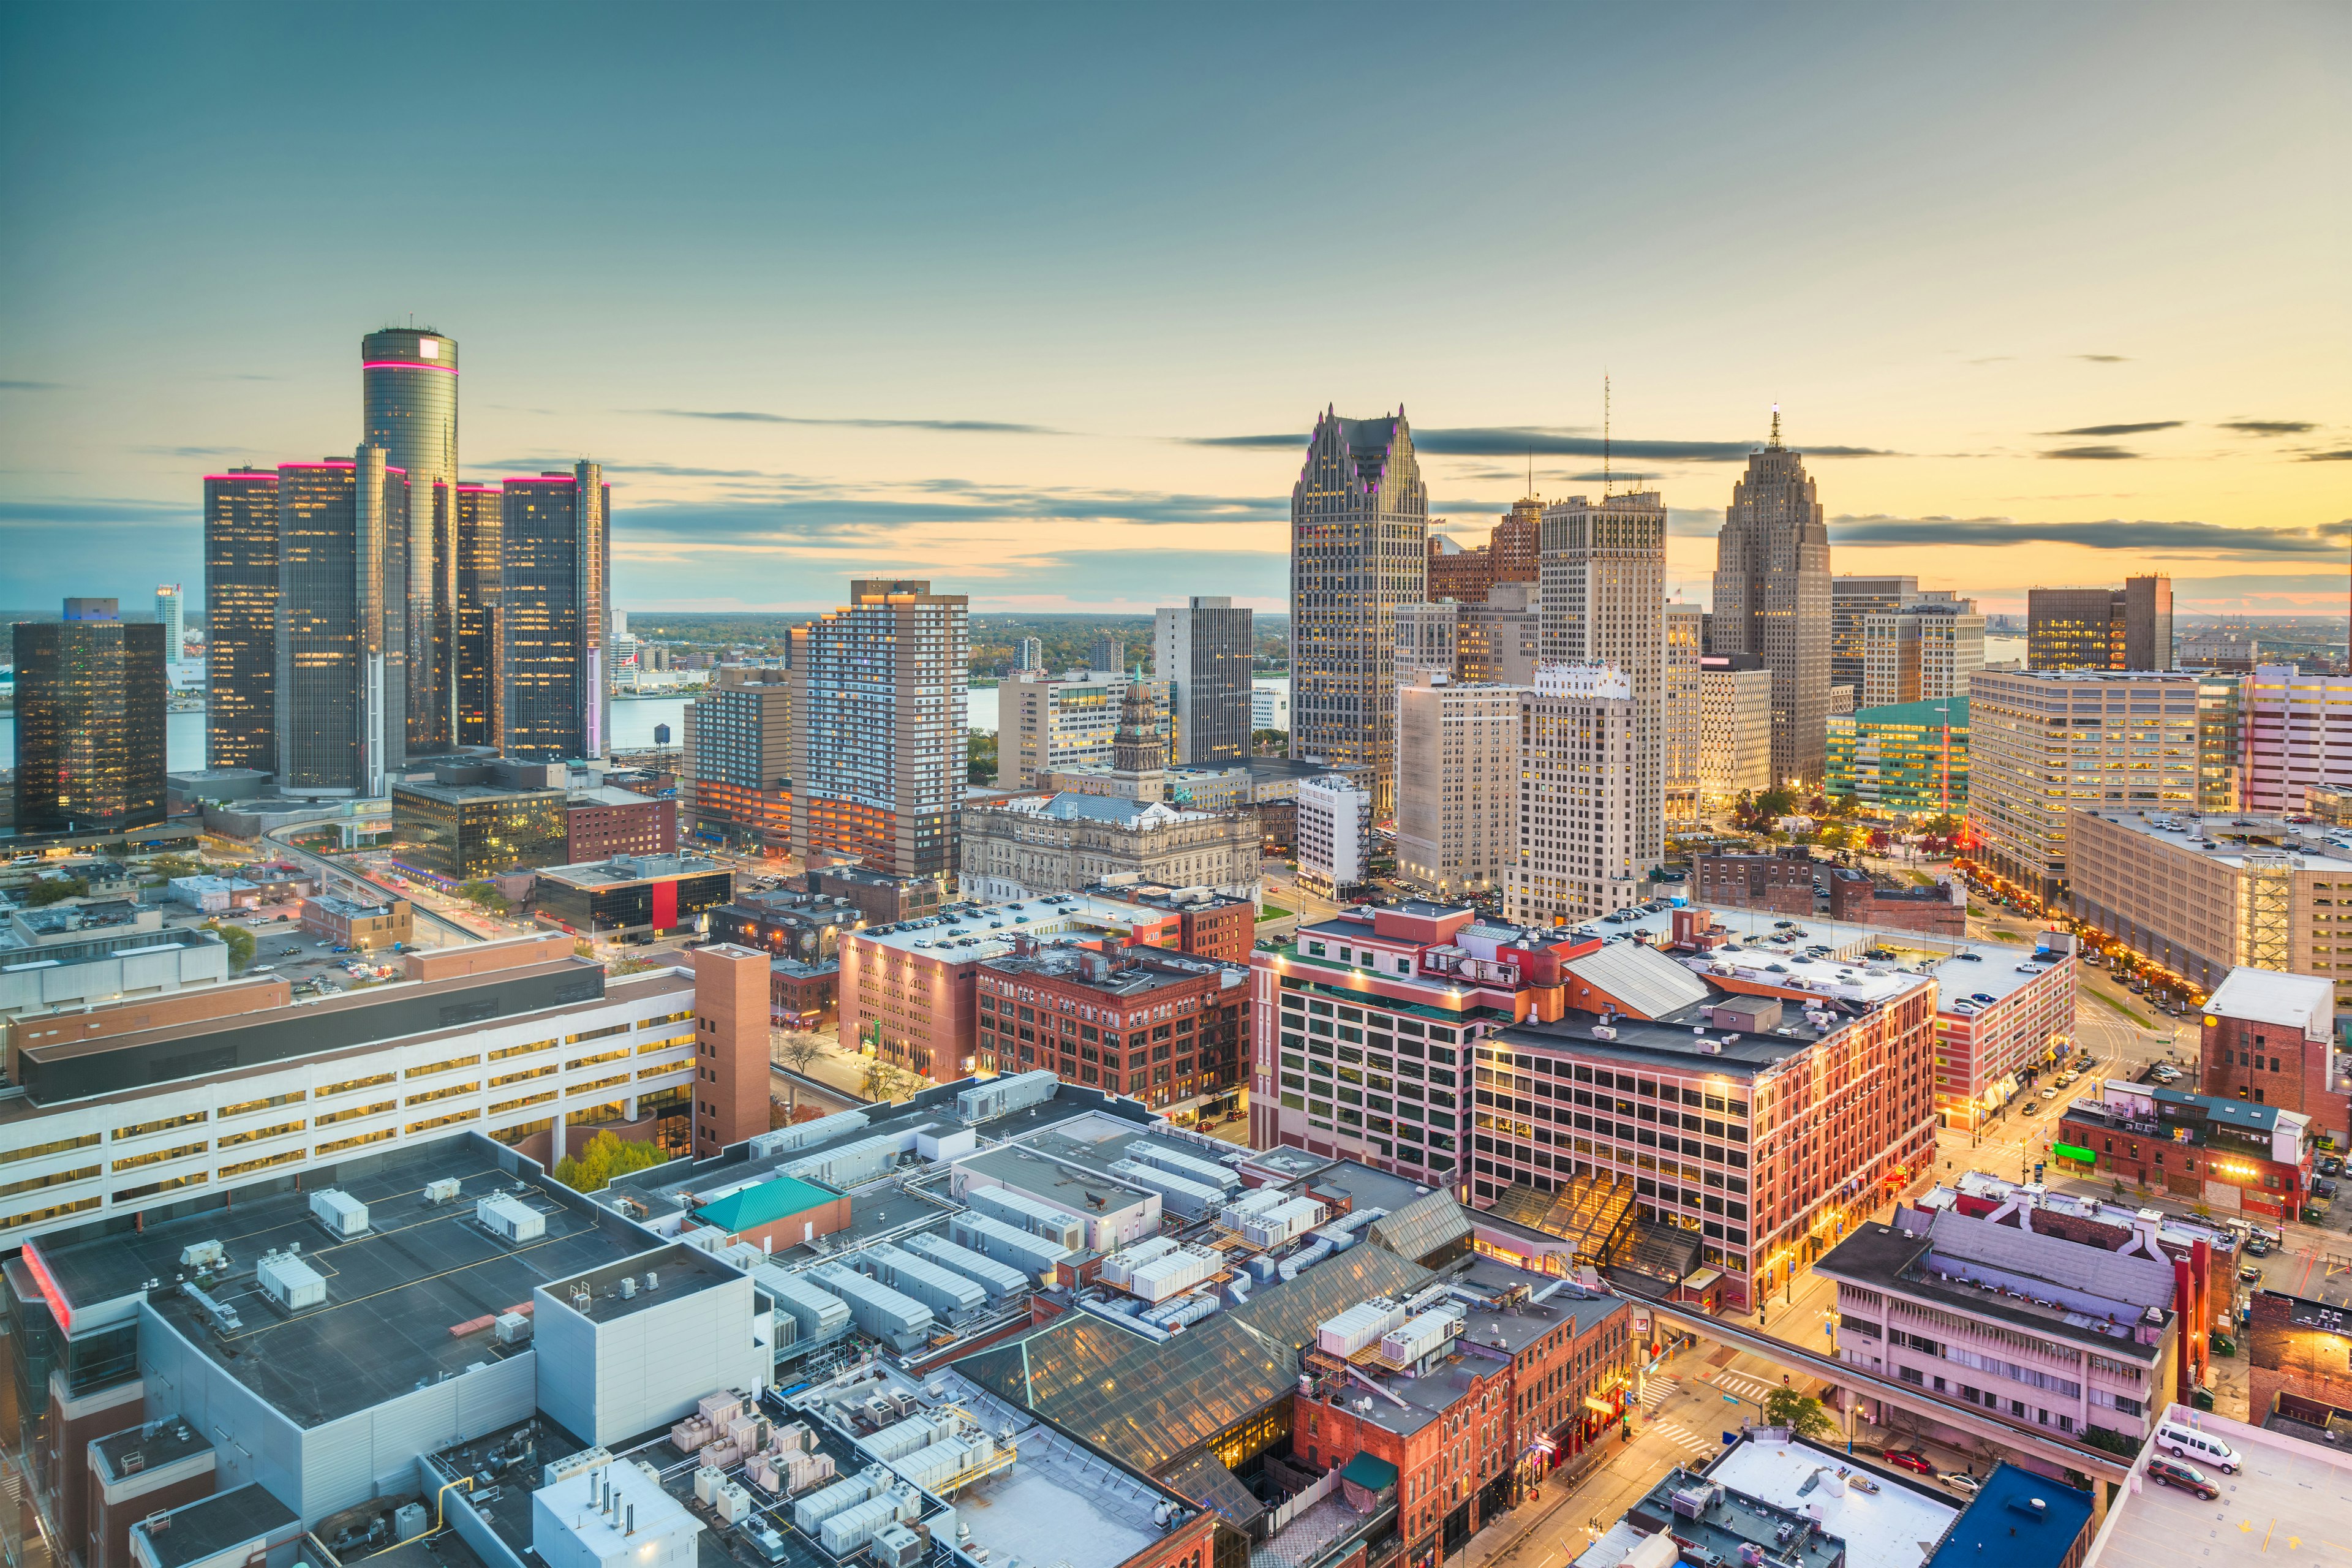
[[961, 300]]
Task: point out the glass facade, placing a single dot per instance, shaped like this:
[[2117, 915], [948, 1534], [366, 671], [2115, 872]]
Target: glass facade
[[1903, 759], [241, 611], [409, 398], [90, 724], [337, 677], [657, 905], [557, 544], [463, 832], [480, 512]]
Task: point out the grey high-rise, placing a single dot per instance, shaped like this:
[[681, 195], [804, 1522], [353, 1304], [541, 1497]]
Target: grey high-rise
[[89, 721], [1201, 649], [241, 619], [1602, 571], [1772, 600], [409, 400], [336, 615], [554, 613], [1358, 549]]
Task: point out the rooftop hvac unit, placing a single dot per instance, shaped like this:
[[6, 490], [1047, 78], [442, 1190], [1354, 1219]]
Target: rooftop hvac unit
[[944, 1290], [1173, 1274], [1033, 1255], [1184, 1309], [1284, 1221], [854, 1526], [1421, 1336], [1179, 1193], [290, 1282], [814, 1510], [1121, 1265], [1251, 1204], [898, 1320], [896, 1546], [204, 1255], [1303, 1259], [900, 1438], [511, 1328], [443, 1190], [1358, 1328], [808, 1134], [1024, 1213], [1192, 1167], [1003, 1096], [998, 1279], [819, 1313], [849, 1165], [508, 1219], [340, 1213], [732, 1504]]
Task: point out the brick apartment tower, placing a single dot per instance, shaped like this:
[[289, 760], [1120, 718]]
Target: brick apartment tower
[[730, 1029]]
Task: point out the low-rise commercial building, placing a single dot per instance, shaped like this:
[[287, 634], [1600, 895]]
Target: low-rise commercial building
[[1335, 833], [879, 898], [649, 895], [787, 923], [2271, 1038], [215, 895], [362, 927], [1938, 908], [2298, 1360], [459, 831], [1786, 881], [2227, 1154], [607, 821], [1165, 1028], [1210, 924]]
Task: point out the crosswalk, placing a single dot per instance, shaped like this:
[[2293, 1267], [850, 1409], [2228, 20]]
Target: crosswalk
[[1683, 1437], [1659, 1390], [1743, 1386]]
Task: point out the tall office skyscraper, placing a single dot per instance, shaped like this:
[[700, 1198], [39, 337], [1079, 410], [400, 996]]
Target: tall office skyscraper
[[1681, 712], [1576, 858], [241, 619], [409, 401], [1922, 654], [481, 565], [1772, 599], [557, 539], [169, 609], [89, 721], [1604, 600], [878, 720], [2128, 628], [1203, 650], [1359, 547], [1852, 597], [335, 713]]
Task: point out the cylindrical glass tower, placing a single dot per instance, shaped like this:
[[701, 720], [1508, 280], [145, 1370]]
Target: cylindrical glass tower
[[409, 381]]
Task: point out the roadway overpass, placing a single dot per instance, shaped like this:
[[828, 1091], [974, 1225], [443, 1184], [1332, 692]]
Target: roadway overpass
[[2050, 1447]]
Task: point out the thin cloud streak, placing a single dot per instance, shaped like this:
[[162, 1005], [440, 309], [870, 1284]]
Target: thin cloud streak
[[2268, 426], [2117, 429], [753, 416], [1507, 441], [2094, 454], [2112, 533]]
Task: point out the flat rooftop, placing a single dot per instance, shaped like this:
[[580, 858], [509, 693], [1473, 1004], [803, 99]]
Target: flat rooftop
[[1881, 1257], [1550, 1304], [393, 1294], [2024, 1520], [972, 931], [150, 1446], [459, 793], [2287, 1503], [681, 1269], [1125, 979], [1659, 1044], [350, 908], [1895, 1527], [2228, 840], [635, 868], [1091, 1189], [213, 1525]]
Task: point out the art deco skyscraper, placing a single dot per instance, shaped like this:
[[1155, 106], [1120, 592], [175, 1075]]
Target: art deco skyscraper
[[409, 399], [553, 613], [1604, 602], [241, 619], [337, 614], [1359, 547], [89, 721], [1203, 650], [878, 715], [1772, 600]]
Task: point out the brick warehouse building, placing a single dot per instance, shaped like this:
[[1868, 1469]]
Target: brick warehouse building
[[1169, 1029], [2229, 1154], [2298, 1352], [1211, 924], [1781, 882], [2271, 1038]]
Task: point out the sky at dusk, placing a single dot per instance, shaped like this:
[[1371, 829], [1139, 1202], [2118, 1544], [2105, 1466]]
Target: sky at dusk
[[1040, 301]]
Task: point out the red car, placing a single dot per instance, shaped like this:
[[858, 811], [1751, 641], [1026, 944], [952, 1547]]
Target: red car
[[2188, 1478], [1907, 1459]]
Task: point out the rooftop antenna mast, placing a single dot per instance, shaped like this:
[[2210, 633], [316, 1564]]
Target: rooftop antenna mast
[[1776, 428], [1607, 484]]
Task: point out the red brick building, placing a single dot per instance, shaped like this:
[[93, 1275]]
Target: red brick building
[[601, 824], [1512, 553], [2232, 1154], [805, 996], [141, 1470], [730, 1046], [2271, 1038], [1166, 1029], [1858, 899], [1209, 924], [1782, 883], [1530, 1387], [2300, 1359]]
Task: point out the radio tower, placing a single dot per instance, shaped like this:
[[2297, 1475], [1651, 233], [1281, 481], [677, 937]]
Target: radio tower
[[1607, 484]]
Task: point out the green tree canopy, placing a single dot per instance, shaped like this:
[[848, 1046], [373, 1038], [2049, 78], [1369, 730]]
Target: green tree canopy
[[1801, 1413], [604, 1158], [238, 940], [55, 889]]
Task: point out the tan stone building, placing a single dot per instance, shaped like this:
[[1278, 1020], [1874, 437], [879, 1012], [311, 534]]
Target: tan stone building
[[1735, 728], [1458, 783], [1062, 842]]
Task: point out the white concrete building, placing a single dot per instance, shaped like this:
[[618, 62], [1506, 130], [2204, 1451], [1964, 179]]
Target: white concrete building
[[1335, 827], [1604, 603], [1585, 804], [1055, 721], [1923, 653], [1735, 728], [1458, 783]]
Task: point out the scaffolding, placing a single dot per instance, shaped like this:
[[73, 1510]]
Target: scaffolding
[[2269, 889]]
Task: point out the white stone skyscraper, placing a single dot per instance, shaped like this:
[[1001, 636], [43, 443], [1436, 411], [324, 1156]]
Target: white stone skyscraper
[[1359, 547], [1603, 582], [1580, 813], [1772, 599]]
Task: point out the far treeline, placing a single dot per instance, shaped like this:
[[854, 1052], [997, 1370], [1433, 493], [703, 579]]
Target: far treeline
[[1068, 640]]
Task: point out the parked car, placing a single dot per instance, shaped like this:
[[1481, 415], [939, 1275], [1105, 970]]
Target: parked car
[[2330, 1165], [2249, 1275], [1962, 1482], [1970, 957], [1909, 1459], [2258, 1245], [2032, 1107], [2323, 1186], [2188, 1478], [2067, 1077], [2051, 1094], [1985, 996]]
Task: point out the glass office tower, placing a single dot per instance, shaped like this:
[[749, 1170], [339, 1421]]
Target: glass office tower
[[557, 545], [241, 619], [89, 721], [339, 576], [409, 396], [480, 560]]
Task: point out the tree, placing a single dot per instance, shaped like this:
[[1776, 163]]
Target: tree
[[53, 890], [1801, 1414], [1270, 743], [169, 866], [881, 1081], [485, 895], [604, 1158], [980, 757], [797, 1051], [238, 940]]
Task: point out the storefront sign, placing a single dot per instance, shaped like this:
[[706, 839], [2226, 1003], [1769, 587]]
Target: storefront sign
[[2072, 1151]]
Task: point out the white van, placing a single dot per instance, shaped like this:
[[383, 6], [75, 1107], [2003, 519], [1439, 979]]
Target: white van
[[2203, 1448]]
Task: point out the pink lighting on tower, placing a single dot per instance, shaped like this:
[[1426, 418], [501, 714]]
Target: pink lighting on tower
[[405, 364]]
